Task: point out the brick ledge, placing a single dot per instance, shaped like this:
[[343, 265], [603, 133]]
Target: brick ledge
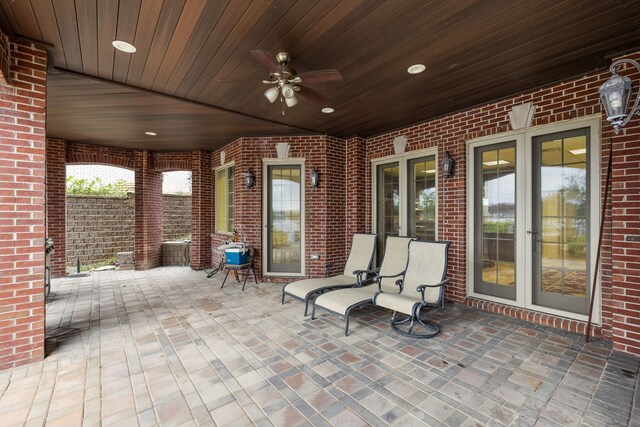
[[544, 319]]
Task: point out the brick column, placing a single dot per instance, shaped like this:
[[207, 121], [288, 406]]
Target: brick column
[[201, 209], [22, 197], [56, 203], [148, 236], [355, 188]]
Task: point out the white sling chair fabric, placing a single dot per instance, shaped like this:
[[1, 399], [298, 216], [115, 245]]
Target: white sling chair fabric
[[342, 301], [360, 257], [427, 266]]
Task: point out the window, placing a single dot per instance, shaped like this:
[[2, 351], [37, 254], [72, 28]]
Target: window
[[225, 200]]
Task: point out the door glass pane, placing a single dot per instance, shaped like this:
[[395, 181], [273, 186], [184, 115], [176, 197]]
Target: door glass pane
[[422, 198], [285, 220], [561, 202], [495, 220], [388, 204]]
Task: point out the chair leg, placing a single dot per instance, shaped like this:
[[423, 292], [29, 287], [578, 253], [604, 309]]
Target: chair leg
[[255, 278], [346, 325], [282, 300], [306, 306], [313, 312], [245, 280], [225, 279]]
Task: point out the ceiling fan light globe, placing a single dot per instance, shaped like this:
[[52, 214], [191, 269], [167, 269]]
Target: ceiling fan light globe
[[291, 101], [288, 91], [272, 94]]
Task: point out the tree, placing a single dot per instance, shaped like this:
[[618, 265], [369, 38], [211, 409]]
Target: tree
[[95, 187]]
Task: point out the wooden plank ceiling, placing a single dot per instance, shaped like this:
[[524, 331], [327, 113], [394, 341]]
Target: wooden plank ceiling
[[475, 51]]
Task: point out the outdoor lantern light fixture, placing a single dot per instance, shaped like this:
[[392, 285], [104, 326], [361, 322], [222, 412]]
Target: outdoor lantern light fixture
[[249, 179], [615, 95], [447, 165], [314, 178]]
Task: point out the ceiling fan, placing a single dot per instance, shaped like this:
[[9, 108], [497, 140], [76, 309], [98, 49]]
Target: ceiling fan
[[286, 83]]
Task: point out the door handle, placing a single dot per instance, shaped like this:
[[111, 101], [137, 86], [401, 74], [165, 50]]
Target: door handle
[[534, 240], [268, 226]]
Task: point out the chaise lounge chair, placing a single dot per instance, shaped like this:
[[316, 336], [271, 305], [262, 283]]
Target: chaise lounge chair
[[359, 262], [343, 301], [422, 287]]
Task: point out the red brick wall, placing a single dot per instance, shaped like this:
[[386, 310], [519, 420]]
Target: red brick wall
[[56, 203], [201, 209], [625, 237], [22, 198], [324, 207], [148, 241], [356, 206], [167, 161], [88, 154], [563, 101]]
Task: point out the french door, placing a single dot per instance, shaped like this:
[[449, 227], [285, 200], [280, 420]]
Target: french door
[[283, 219], [405, 197], [533, 212]]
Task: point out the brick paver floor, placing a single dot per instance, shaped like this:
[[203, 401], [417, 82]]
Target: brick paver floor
[[169, 347]]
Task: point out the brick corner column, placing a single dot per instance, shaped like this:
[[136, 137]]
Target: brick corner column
[[148, 212], [56, 203], [355, 188], [22, 202], [201, 209]]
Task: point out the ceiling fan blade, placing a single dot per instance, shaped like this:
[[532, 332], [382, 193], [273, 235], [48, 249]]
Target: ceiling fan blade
[[265, 59], [320, 76], [312, 95]]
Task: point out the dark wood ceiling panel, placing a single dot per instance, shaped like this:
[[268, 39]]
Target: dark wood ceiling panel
[[475, 51], [28, 27], [167, 22], [92, 111], [126, 31], [45, 16], [147, 23], [65, 13], [183, 33], [219, 35], [87, 14], [201, 39], [107, 25]]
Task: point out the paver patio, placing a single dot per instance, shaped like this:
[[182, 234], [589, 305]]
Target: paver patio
[[167, 346]]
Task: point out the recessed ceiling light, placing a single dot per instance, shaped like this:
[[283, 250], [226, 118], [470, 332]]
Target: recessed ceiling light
[[328, 110], [123, 46], [150, 133], [416, 69], [496, 162], [578, 151]]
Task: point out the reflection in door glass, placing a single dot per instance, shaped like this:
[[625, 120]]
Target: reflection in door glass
[[563, 216], [388, 209], [422, 198], [497, 222], [285, 235]]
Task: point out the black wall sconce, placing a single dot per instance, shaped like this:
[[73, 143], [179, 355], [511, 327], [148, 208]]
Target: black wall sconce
[[615, 95], [314, 178], [447, 165], [249, 179]]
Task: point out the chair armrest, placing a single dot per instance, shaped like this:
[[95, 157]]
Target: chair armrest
[[362, 273], [421, 288], [378, 279]]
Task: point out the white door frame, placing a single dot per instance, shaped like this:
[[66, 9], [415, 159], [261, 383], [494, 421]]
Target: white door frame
[[265, 215], [402, 160], [524, 213]]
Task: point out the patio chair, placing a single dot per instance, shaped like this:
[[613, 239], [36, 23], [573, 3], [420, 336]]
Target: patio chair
[[422, 287], [362, 249], [342, 301]]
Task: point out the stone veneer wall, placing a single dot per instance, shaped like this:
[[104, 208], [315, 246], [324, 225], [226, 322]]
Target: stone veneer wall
[[99, 227], [176, 217]]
